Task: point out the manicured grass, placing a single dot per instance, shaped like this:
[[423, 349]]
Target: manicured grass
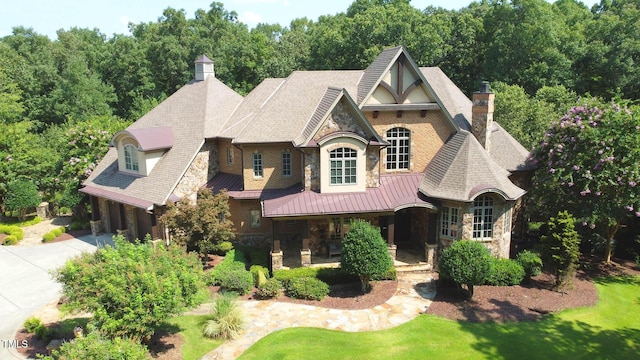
[[190, 327], [609, 330]]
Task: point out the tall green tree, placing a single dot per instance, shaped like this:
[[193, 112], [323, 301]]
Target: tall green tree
[[589, 164], [22, 196], [560, 248]]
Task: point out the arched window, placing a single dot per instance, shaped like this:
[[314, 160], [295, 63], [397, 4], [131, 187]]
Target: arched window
[[131, 158], [398, 150], [343, 166], [483, 217]]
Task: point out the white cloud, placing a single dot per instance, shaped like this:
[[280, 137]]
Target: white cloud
[[123, 28], [250, 18], [253, 2]]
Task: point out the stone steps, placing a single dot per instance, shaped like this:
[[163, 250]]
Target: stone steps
[[413, 268]]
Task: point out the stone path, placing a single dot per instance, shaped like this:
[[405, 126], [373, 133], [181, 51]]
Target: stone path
[[413, 297]]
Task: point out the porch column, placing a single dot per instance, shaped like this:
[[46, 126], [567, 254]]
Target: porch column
[[276, 256], [305, 253], [391, 246]]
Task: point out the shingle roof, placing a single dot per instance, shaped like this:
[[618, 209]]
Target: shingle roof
[[376, 70], [152, 138], [507, 151], [453, 100], [395, 192], [282, 108], [462, 170], [198, 108]]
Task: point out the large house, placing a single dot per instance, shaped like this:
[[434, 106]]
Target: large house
[[395, 144]]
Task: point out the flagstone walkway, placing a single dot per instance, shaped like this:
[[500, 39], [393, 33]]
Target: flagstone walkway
[[413, 297]]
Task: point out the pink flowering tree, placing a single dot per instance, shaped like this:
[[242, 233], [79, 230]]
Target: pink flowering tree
[[589, 164]]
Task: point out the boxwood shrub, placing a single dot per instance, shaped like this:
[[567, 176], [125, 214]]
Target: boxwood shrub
[[505, 272], [531, 263], [237, 280], [307, 288], [270, 289], [328, 275], [48, 236], [255, 270], [57, 232], [10, 240]]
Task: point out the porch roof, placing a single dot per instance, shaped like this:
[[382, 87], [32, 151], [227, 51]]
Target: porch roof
[[114, 196], [395, 192]]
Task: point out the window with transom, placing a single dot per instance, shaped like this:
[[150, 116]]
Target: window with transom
[[257, 165], [398, 150], [286, 163], [449, 222], [343, 166]]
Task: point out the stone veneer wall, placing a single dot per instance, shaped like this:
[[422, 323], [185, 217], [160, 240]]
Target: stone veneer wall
[[500, 243], [341, 119], [373, 166], [103, 206], [312, 169], [203, 168], [428, 134], [132, 224]]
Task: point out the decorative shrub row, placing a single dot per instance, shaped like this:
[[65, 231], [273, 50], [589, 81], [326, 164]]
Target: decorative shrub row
[[256, 270], [269, 289], [330, 276], [255, 255], [94, 346], [309, 288], [505, 272], [53, 234], [14, 234], [390, 274]]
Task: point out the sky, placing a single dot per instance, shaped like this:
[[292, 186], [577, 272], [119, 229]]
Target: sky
[[112, 16]]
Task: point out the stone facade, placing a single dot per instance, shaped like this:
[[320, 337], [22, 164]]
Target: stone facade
[[341, 119], [373, 166], [482, 117], [202, 169], [428, 134], [312, 169]]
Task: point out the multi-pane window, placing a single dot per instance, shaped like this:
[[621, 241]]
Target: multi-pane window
[[398, 150], [483, 217], [343, 166], [131, 158], [257, 165], [286, 163], [449, 222]]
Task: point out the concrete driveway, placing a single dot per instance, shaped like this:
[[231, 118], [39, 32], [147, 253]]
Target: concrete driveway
[[26, 283]]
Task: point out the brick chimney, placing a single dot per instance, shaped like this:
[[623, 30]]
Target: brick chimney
[[482, 114], [204, 68]]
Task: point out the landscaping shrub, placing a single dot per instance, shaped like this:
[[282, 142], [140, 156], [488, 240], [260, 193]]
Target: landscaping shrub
[[17, 232], [307, 288], [63, 229], [48, 237], [256, 270], [531, 263], [9, 240], [256, 255], [234, 260], [505, 272], [222, 248], [57, 232], [41, 331], [237, 280], [561, 248], [390, 274], [328, 275], [93, 346], [31, 323], [364, 253], [226, 318], [270, 289], [76, 225], [466, 262]]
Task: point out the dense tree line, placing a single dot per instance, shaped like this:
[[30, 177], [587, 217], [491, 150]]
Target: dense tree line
[[56, 94]]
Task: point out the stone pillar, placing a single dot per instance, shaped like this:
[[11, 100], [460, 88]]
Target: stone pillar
[[431, 254], [276, 260], [393, 249], [305, 257], [42, 210], [124, 233], [96, 227]]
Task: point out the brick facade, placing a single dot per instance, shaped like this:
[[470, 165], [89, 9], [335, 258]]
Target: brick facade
[[272, 177]]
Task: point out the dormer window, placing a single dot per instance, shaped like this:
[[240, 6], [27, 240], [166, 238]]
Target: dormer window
[[343, 166], [131, 158]]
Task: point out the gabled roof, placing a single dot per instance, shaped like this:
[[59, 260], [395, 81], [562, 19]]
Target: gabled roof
[[462, 170], [279, 109], [507, 151], [200, 107], [148, 139]]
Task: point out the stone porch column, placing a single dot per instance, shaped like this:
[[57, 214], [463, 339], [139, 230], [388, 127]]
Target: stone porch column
[[276, 256], [305, 253]]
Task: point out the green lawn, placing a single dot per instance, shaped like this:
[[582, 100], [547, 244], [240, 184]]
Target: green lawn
[[190, 327], [609, 330]]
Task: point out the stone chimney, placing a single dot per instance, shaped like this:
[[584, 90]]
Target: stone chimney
[[204, 68], [482, 114]]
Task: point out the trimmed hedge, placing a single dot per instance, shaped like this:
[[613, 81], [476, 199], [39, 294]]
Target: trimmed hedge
[[57, 232], [231, 274], [505, 272], [12, 230], [237, 280], [48, 236], [330, 276], [307, 288], [256, 270], [10, 240]]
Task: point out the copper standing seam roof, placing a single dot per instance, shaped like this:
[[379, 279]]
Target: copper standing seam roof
[[396, 191]]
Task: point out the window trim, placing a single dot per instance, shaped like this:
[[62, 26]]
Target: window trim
[[258, 166], [131, 158], [229, 155], [340, 159], [286, 164], [483, 210], [396, 136], [449, 227]]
